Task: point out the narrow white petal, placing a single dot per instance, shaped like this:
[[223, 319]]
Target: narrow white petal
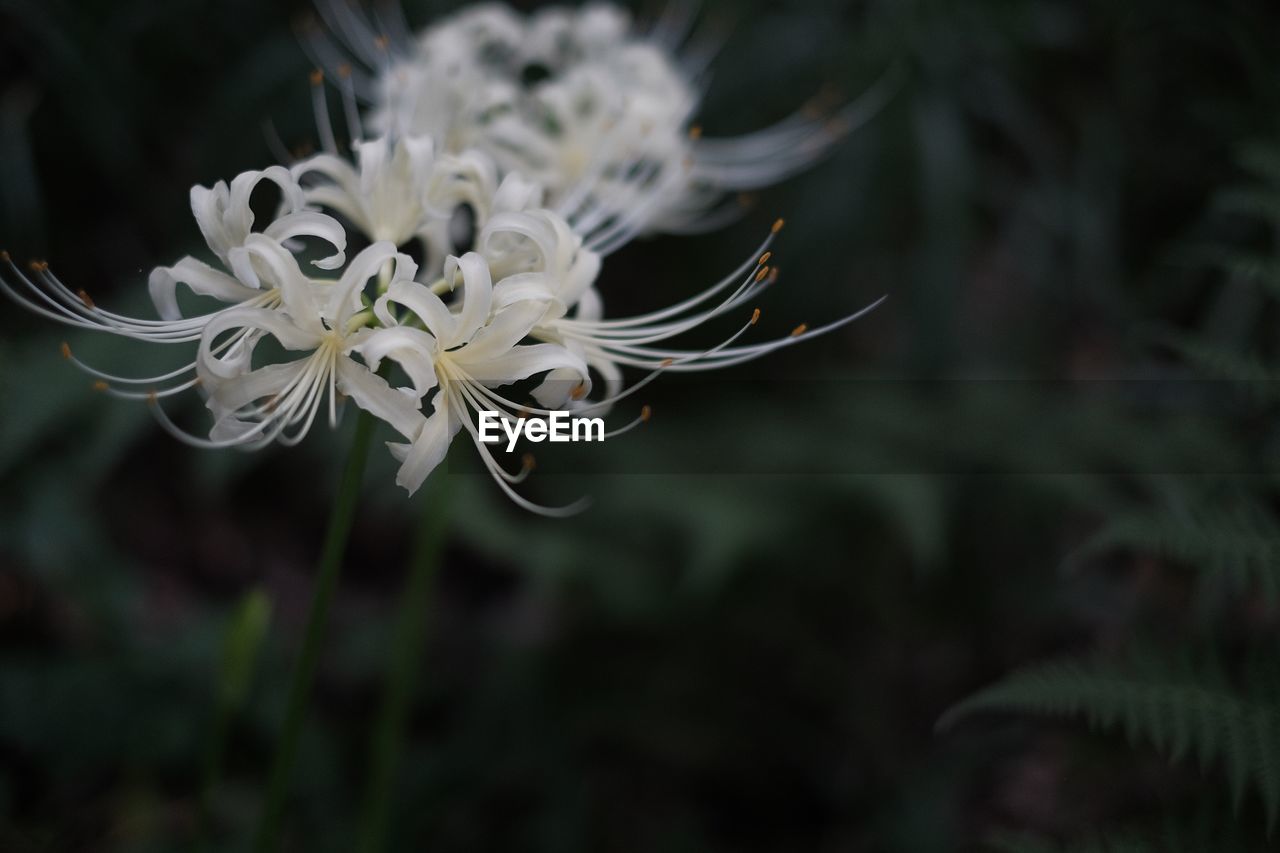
[[372, 393]]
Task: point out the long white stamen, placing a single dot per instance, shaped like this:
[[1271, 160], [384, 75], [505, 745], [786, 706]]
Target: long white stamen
[[196, 441], [350, 27], [496, 471], [752, 265], [76, 310], [355, 129], [686, 362], [320, 106], [642, 418]]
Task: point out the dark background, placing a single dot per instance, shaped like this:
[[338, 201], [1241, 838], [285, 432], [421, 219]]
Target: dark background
[[787, 577]]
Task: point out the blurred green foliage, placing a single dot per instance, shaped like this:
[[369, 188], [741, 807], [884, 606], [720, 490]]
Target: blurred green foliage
[[787, 577]]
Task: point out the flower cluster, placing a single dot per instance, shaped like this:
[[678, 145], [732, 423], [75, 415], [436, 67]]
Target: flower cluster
[[504, 156], [581, 101]]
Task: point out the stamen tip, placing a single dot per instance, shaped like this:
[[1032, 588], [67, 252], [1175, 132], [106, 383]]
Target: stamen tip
[[799, 330], [777, 226], [344, 70], [579, 391], [763, 271], [667, 362], [4, 256], [66, 350], [85, 298], [645, 413], [755, 316], [381, 42], [101, 386], [152, 397], [695, 132], [528, 462], [764, 259], [317, 76]]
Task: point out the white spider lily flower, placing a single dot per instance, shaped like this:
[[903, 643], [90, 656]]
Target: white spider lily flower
[[558, 35], [537, 248], [253, 407], [640, 341], [384, 193], [226, 221], [594, 109], [401, 191], [445, 97], [464, 357]]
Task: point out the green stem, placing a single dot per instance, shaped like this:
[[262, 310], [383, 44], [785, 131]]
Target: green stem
[[411, 622], [335, 543]]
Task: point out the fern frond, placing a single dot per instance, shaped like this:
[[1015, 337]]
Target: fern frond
[[1239, 543], [1258, 269], [1258, 202], [1249, 370], [1262, 159], [1176, 712]]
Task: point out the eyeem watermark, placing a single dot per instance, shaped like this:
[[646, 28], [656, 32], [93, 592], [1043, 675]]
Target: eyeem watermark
[[558, 426]]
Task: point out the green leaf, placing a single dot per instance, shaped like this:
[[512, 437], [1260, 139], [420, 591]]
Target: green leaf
[[1146, 699], [241, 645]]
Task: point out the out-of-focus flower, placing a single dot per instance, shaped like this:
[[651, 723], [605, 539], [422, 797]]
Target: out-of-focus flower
[[583, 102]]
